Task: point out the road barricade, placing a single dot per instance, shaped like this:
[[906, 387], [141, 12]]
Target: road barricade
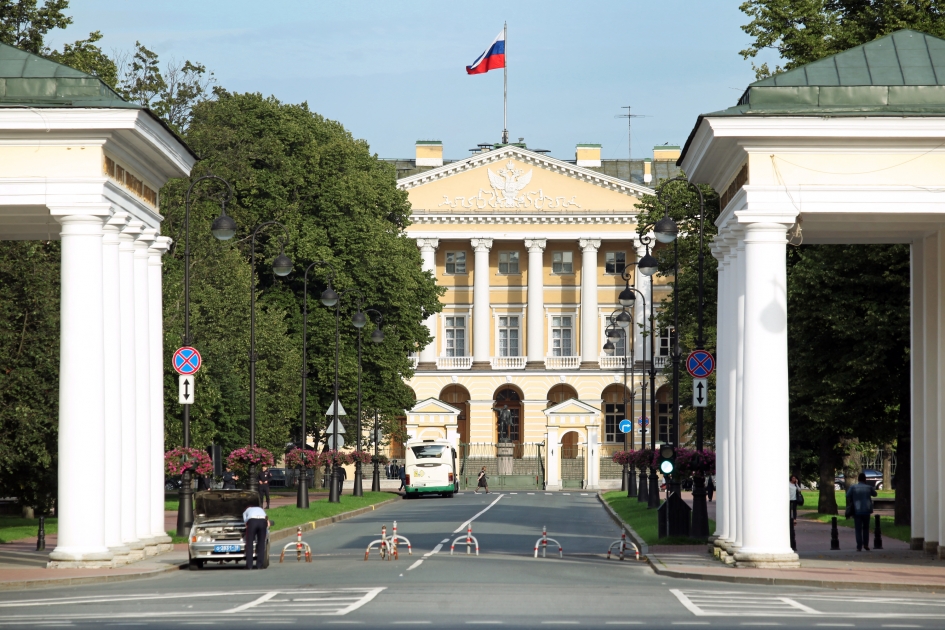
[[469, 540], [543, 543], [385, 546], [623, 545], [299, 545], [397, 537]]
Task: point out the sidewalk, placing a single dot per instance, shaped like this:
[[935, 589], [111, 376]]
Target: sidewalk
[[894, 568]]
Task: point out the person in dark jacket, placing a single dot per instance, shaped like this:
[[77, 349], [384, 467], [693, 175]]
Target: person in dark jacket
[[264, 476], [860, 499], [403, 478], [709, 487], [229, 479]]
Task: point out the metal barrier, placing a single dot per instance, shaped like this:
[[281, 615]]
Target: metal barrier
[[298, 548], [385, 547], [623, 544], [469, 541], [395, 537], [543, 543]]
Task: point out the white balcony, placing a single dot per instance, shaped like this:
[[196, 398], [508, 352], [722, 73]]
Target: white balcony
[[453, 363], [508, 363], [661, 362], [613, 363], [562, 363]]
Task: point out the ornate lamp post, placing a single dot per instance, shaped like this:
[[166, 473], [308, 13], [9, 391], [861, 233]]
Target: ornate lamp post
[[628, 297], [648, 267], [359, 320], [376, 477], [223, 229]]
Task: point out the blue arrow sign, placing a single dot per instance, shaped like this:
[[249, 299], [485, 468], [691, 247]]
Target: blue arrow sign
[[625, 426]]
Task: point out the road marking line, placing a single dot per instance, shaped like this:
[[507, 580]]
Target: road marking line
[[799, 606], [760, 623], [687, 603], [444, 541], [491, 623], [834, 625], [415, 564], [374, 592], [556, 623], [513, 493], [255, 602], [400, 623], [624, 623], [690, 623], [567, 494], [899, 625], [531, 493], [435, 551], [583, 494], [548, 494], [463, 526]]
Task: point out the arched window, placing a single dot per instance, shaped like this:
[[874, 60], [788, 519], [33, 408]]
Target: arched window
[[614, 411], [458, 396], [560, 393]]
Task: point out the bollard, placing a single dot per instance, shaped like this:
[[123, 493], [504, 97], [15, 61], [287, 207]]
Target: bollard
[[470, 541], [394, 542], [834, 535], [793, 537], [543, 543], [299, 545], [878, 536], [623, 544], [41, 535], [384, 546]]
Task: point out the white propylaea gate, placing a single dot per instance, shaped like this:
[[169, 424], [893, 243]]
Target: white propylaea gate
[[93, 185]]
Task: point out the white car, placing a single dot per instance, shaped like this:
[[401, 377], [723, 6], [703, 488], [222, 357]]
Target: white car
[[217, 534]]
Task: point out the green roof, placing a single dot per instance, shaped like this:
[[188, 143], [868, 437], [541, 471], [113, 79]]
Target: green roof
[[429, 142], [583, 145], [30, 80]]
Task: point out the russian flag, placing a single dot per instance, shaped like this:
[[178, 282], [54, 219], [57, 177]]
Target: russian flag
[[492, 59]]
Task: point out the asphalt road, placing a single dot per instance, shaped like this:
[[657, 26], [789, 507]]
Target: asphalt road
[[504, 586]]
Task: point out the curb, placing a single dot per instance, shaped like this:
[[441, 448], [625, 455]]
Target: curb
[[103, 579], [634, 536]]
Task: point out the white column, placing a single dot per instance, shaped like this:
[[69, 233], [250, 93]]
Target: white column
[[482, 317], [111, 325], [734, 314], [143, 392], [932, 275], [917, 360], [156, 390], [721, 533], [81, 507], [593, 457], [641, 343], [428, 263], [536, 303], [553, 480], [590, 321], [940, 415], [766, 434], [127, 384], [739, 424]]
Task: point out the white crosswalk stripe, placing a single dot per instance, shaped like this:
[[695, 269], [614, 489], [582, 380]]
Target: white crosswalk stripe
[[707, 603]]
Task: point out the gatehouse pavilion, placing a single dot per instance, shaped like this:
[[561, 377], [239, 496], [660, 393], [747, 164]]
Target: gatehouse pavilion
[[82, 165], [848, 149]]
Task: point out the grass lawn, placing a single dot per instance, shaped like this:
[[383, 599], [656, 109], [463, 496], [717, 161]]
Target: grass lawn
[[171, 506], [291, 516], [811, 497], [13, 528], [890, 529], [643, 520]]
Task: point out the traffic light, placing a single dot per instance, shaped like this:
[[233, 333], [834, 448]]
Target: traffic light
[[667, 459]]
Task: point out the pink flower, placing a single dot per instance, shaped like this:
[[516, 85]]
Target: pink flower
[[198, 461]]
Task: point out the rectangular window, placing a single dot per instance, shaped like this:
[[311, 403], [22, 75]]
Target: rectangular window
[[455, 336], [562, 262], [667, 341], [456, 262], [620, 344], [508, 337], [508, 262], [615, 262], [561, 336], [664, 419], [613, 414]]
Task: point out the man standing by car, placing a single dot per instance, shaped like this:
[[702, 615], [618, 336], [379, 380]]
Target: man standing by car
[[264, 477], [256, 525], [860, 503]]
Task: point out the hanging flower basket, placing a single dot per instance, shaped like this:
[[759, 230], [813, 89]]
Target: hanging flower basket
[[294, 459], [360, 456], [336, 458], [693, 463], [197, 460], [381, 459], [623, 457], [642, 458], [242, 458]]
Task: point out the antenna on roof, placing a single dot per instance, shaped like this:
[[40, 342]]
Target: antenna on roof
[[629, 116]]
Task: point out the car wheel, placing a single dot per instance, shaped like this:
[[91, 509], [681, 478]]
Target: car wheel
[[195, 565], [169, 486], [449, 495]]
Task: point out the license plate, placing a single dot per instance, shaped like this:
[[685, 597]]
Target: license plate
[[225, 548]]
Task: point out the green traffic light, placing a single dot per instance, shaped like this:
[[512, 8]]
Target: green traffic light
[[666, 467]]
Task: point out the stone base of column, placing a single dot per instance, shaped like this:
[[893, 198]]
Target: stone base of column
[[590, 365], [535, 365], [767, 560], [931, 546], [553, 486], [726, 558], [917, 544], [121, 555], [428, 366], [136, 551], [66, 559], [941, 552], [481, 366]]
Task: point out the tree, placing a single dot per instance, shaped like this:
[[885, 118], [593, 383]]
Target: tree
[[24, 24]]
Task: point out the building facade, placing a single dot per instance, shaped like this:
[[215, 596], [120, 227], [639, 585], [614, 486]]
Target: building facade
[[532, 252]]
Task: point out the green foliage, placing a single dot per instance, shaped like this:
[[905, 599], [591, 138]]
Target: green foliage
[[643, 520], [802, 31], [13, 528], [85, 56], [24, 24]]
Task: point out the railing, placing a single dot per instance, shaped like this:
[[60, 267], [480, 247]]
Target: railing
[[454, 363], [613, 363], [508, 363], [562, 363], [661, 362], [414, 360]]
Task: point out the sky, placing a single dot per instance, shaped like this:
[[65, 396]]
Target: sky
[[394, 72]]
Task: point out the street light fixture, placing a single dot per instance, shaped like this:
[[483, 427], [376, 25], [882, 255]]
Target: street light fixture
[[223, 229]]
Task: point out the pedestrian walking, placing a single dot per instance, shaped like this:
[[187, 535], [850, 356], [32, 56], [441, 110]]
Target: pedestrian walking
[[229, 479], [342, 475], [710, 487], [403, 479], [860, 506], [256, 525], [483, 481], [264, 476], [796, 497]]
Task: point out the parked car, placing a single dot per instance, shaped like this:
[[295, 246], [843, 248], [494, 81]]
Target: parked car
[[873, 477], [172, 483], [218, 531], [279, 479]]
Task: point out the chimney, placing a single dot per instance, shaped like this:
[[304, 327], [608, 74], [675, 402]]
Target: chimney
[[666, 153], [647, 170], [587, 155], [429, 153]]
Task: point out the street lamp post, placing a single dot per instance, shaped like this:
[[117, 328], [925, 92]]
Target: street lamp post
[[648, 266], [613, 332], [376, 476], [377, 337], [185, 503]]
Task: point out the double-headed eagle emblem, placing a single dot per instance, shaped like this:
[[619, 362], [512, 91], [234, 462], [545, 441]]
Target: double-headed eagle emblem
[[509, 182]]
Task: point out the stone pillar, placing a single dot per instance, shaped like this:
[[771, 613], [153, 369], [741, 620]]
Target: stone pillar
[[482, 316], [156, 391], [553, 459], [111, 324], [917, 360], [732, 346], [723, 377], [739, 345], [932, 277], [81, 507], [143, 393], [765, 433], [428, 262], [593, 457], [536, 304], [939, 478], [127, 383], [641, 342], [590, 320]]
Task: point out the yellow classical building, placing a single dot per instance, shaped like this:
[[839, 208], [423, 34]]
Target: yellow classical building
[[532, 250]]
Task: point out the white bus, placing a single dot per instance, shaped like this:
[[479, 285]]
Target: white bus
[[430, 468]]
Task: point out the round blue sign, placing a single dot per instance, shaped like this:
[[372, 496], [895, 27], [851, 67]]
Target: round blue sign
[[625, 426], [700, 364], [643, 422]]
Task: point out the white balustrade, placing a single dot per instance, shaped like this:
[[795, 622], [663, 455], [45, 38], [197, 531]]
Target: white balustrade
[[454, 363], [508, 363], [562, 363], [613, 363], [661, 362]]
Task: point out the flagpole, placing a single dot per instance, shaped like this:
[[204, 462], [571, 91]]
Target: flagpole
[[505, 85]]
